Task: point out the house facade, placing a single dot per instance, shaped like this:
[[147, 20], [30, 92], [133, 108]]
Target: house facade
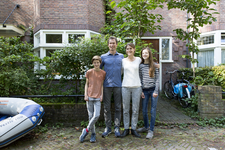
[[58, 23]]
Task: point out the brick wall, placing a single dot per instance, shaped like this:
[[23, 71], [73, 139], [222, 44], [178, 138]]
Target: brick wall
[[210, 103], [21, 16], [69, 14], [73, 114]]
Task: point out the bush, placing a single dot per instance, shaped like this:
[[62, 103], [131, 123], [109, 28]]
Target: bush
[[16, 64], [207, 75]]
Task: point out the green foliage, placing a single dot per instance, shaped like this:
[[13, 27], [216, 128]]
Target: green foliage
[[193, 101], [134, 19], [42, 129], [217, 122], [73, 61], [201, 14], [207, 75], [140, 123], [16, 63], [84, 123]]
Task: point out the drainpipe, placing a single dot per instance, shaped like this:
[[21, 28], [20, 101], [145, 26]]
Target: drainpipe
[[17, 6], [187, 41]]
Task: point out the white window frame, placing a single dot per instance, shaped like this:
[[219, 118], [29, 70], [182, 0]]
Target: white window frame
[[41, 45], [217, 46]]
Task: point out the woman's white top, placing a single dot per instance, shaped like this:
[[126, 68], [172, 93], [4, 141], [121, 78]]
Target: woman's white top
[[131, 73]]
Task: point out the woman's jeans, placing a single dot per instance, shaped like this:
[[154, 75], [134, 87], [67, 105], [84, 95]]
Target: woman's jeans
[[127, 94], [149, 93]]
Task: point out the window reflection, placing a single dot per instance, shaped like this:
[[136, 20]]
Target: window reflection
[[165, 49], [75, 38]]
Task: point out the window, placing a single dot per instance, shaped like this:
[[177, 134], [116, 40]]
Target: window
[[165, 49], [49, 52], [74, 38], [206, 40], [223, 56], [37, 63], [53, 38], [206, 58], [223, 38]]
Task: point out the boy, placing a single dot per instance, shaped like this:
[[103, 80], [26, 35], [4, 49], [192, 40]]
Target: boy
[[93, 96]]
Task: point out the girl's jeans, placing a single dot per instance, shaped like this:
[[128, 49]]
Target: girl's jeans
[[149, 93]]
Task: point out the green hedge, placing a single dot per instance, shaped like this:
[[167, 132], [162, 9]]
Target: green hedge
[[207, 75]]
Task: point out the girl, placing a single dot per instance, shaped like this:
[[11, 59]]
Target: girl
[[149, 75], [131, 88]]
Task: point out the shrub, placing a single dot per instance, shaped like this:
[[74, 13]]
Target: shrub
[[16, 64]]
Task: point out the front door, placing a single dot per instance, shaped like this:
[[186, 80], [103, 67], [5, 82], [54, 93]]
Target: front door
[[155, 46]]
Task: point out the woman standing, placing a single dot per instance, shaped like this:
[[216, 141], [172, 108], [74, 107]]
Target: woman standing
[[149, 75], [131, 88]]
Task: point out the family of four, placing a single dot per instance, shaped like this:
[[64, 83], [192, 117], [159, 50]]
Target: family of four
[[140, 79]]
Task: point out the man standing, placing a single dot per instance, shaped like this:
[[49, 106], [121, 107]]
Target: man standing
[[112, 63]]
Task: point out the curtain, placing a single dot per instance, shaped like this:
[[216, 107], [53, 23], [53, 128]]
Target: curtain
[[223, 56], [206, 58]]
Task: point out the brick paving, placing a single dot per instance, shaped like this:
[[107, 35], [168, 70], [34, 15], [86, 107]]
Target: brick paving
[[171, 137], [169, 114], [190, 138]]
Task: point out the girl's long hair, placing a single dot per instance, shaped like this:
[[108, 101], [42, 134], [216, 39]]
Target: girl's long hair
[[150, 62]]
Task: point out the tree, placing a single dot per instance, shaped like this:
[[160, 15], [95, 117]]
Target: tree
[[201, 14], [134, 19]]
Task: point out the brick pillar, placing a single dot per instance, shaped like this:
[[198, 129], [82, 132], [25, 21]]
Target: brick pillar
[[210, 104]]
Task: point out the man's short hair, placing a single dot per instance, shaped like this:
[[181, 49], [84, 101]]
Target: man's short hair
[[96, 57], [112, 38]]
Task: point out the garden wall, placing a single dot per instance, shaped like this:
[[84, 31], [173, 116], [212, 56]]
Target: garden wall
[[210, 103], [73, 114]]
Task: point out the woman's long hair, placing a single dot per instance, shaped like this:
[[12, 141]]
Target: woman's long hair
[[150, 62]]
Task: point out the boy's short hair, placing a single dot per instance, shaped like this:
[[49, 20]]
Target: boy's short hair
[[96, 57]]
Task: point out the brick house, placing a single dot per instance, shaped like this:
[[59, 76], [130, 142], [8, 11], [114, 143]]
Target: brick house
[[57, 23]]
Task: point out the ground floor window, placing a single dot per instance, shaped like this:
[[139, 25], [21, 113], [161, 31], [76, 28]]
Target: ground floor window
[[223, 56], [206, 58]]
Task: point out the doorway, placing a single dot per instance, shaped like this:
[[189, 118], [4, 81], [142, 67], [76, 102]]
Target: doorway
[[155, 46]]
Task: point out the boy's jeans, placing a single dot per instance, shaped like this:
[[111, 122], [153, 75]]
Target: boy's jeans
[[93, 108], [149, 93]]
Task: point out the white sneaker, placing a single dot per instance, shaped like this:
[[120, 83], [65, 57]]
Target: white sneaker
[[149, 135]]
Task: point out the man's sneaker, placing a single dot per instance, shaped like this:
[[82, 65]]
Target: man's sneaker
[[149, 135], [141, 130], [93, 138], [83, 135], [117, 132], [107, 132]]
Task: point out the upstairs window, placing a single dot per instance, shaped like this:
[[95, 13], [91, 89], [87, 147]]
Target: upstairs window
[[206, 40], [75, 38], [222, 38], [53, 38]]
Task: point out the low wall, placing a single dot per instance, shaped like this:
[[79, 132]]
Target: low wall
[[73, 114], [210, 103]]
